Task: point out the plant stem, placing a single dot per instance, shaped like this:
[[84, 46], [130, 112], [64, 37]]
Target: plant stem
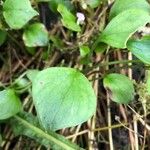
[[43, 134]]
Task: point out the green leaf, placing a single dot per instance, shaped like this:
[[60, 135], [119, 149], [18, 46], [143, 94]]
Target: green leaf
[[122, 5], [148, 81], [53, 4], [57, 41], [141, 49], [93, 3], [21, 83], [63, 97], [3, 36], [26, 124], [9, 104], [119, 88], [43, 0], [120, 28], [32, 73], [68, 19], [35, 35], [100, 48], [84, 50], [17, 13], [31, 50], [1, 140]]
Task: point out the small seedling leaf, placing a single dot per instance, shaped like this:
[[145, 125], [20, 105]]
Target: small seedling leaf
[[9, 104], [119, 87], [84, 50], [63, 97], [68, 19], [35, 35]]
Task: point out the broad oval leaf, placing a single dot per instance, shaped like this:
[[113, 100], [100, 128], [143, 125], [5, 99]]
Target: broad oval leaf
[[17, 13], [35, 35], [122, 5], [141, 49], [68, 19], [63, 97], [9, 104], [121, 27], [119, 87]]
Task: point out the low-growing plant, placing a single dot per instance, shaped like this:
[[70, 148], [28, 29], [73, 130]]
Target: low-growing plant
[[63, 97]]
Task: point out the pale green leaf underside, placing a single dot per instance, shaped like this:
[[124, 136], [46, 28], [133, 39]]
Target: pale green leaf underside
[[17, 13], [9, 104], [120, 28], [119, 87], [63, 97]]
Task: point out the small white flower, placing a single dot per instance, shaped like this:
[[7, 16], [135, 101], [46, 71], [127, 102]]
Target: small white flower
[[80, 18]]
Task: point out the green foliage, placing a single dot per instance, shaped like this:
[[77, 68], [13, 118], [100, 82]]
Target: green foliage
[[141, 49], [1, 139], [17, 13], [28, 125], [57, 42], [43, 0], [53, 4], [100, 47], [21, 83], [63, 97], [120, 28], [9, 104], [93, 3], [68, 19], [148, 82], [31, 74], [119, 88], [66, 93], [122, 5], [35, 35], [3, 35], [84, 50]]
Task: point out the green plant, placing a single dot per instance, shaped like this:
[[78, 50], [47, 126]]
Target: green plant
[[63, 97]]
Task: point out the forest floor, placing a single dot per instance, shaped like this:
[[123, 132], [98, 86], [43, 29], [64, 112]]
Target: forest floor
[[114, 126]]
